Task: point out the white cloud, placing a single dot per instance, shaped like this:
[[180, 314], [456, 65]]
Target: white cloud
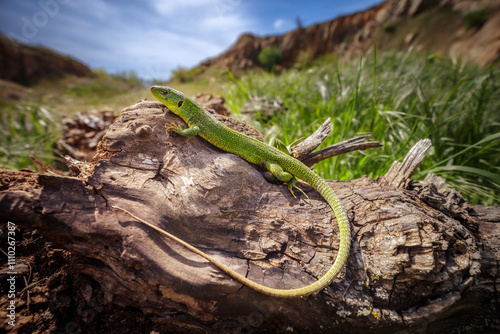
[[172, 8], [149, 37], [187, 32], [209, 8], [279, 23]]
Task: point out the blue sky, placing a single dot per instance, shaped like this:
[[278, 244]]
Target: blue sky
[[154, 37]]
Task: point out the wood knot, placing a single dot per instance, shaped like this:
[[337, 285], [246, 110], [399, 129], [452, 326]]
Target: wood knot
[[144, 131]]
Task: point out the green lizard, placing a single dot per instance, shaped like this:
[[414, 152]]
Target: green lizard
[[276, 159]]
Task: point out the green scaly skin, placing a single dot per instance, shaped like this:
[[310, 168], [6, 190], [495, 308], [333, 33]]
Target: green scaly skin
[[276, 160]]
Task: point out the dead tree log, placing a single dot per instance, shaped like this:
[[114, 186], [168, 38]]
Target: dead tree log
[[422, 258]]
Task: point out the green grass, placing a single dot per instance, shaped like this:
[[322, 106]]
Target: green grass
[[27, 129], [399, 99], [32, 126]]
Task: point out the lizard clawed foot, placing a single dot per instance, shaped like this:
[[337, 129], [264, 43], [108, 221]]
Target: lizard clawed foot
[[172, 127], [291, 185]]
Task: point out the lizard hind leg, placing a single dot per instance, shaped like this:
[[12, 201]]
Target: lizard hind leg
[[285, 177], [275, 142], [291, 185]]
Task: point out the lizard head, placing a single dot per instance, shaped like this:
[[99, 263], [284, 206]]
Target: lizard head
[[175, 101]]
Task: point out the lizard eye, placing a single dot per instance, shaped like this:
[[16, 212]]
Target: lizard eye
[[180, 103]]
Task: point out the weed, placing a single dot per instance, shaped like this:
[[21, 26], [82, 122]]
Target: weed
[[27, 129]]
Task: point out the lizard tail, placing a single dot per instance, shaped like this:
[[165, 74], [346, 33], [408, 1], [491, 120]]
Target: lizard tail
[[345, 240]]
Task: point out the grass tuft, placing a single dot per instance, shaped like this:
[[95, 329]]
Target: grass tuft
[[27, 129]]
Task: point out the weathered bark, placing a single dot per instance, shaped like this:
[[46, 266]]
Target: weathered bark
[[422, 258]]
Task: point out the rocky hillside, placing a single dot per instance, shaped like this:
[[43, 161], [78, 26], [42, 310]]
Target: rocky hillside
[[27, 64], [469, 29]]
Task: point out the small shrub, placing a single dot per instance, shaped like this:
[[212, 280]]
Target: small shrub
[[269, 57], [304, 58], [184, 74], [389, 27], [100, 73], [476, 19]]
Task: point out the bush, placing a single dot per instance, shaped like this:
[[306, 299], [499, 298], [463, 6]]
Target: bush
[[269, 57], [389, 27], [304, 58], [184, 74], [476, 19]]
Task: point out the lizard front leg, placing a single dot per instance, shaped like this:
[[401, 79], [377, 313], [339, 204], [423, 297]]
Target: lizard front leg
[[189, 132]]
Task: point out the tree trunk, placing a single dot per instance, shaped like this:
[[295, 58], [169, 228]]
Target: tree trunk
[[422, 258]]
